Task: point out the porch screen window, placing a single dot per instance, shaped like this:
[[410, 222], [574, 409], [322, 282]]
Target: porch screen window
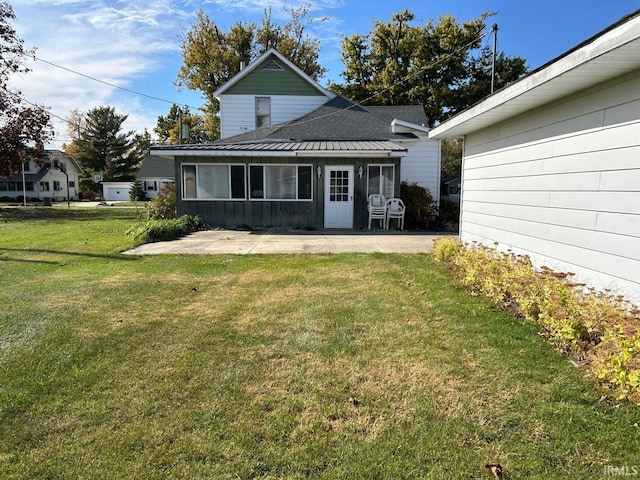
[[213, 182], [381, 179], [280, 182], [263, 112]]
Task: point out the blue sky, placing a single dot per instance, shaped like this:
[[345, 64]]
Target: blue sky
[[135, 44]]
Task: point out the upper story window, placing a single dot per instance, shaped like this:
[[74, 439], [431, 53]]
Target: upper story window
[[26, 166], [263, 112]]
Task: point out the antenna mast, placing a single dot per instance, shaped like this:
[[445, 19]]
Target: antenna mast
[[494, 29]]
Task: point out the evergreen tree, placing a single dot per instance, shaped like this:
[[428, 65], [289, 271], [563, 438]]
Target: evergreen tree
[[102, 149], [137, 193]]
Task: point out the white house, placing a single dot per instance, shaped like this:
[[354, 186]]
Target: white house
[[56, 179], [288, 146], [551, 163], [269, 91]]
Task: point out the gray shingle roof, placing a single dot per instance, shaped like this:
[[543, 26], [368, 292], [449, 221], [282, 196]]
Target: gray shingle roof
[[157, 167], [339, 119], [337, 125]]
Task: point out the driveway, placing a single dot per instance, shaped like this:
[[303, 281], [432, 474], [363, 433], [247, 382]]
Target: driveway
[[242, 242]]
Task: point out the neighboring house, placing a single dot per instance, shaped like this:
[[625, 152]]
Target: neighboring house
[[551, 165], [312, 160], [45, 182], [153, 173], [451, 190]]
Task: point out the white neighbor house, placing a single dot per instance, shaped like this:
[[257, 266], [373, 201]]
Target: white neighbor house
[[551, 163]]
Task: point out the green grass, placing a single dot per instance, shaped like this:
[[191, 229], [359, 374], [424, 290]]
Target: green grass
[[230, 367]]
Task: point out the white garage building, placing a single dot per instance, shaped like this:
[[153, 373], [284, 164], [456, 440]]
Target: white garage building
[[551, 163]]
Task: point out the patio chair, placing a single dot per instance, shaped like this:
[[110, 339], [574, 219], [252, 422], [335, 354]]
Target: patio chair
[[395, 209], [377, 207]]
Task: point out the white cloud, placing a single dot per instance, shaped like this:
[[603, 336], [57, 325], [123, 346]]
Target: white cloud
[[132, 44], [118, 42]]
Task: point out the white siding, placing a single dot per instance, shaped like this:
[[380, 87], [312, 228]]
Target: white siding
[[238, 112], [422, 164], [562, 185]]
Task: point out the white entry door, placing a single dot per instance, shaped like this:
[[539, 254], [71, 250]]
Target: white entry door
[[338, 196]]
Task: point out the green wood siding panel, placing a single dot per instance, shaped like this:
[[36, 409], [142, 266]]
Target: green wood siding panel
[[285, 214], [273, 82]]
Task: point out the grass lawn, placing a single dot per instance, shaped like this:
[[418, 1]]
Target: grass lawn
[[301, 366]]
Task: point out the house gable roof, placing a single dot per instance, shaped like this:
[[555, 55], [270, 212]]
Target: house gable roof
[[268, 62], [339, 119], [337, 127], [155, 166], [609, 54]]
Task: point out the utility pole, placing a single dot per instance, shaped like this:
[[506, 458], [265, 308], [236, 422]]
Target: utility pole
[[494, 29]]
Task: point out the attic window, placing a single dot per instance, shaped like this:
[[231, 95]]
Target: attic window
[[272, 65]]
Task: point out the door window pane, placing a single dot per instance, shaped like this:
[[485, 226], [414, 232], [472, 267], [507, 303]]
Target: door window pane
[[339, 186]]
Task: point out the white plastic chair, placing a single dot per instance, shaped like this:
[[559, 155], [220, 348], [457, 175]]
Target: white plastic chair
[[377, 207], [395, 209]]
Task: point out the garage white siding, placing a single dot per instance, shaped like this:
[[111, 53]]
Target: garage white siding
[[239, 111], [562, 184]]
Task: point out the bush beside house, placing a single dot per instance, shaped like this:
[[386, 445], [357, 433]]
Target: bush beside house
[[600, 333]]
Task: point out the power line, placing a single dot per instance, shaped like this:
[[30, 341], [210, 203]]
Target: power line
[[111, 84]]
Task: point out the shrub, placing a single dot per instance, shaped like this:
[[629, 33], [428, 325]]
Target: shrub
[[166, 229], [598, 330], [88, 195], [163, 205], [420, 205], [445, 249]]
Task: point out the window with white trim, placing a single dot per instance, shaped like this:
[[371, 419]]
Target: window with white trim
[[381, 180], [44, 186], [56, 186], [280, 182], [213, 182], [263, 112]]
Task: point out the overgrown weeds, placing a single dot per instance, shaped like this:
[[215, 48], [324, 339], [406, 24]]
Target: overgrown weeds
[[598, 331]]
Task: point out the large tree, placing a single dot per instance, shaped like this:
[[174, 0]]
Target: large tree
[[438, 65], [24, 127], [211, 55], [101, 148], [193, 126]]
